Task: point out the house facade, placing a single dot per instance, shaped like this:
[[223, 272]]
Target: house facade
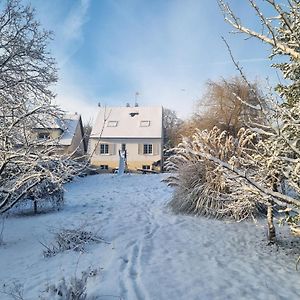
[[64, 136], [135, 130]]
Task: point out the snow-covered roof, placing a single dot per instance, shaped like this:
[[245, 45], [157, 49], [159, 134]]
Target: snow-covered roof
[[70, 125], [128, 122], [50, 122]]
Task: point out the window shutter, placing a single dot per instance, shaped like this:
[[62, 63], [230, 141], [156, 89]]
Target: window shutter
[[155, 149], [112, 149], [140, 149]]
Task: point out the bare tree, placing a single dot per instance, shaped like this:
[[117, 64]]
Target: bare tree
[[27, 72], [221, 105], [171, 125]]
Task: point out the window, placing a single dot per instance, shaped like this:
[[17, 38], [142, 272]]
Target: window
[[104, 149], [146, 167], [144, 123], [112, 124], [44, 136], [148, 148], [103, 167]]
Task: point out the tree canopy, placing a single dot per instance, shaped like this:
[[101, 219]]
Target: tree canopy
[[27, 72]]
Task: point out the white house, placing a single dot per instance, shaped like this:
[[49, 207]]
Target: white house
[[136, 130]]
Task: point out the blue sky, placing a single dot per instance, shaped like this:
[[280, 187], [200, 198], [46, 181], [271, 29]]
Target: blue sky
[[107, 50]]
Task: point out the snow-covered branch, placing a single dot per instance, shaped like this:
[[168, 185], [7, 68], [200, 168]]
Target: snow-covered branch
[[235, 22], [27, 72]]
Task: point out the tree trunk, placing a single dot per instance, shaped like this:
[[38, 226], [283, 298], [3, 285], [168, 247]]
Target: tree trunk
[[35, 206], [271, 227]]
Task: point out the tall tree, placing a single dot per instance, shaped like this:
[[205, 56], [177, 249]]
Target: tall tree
[[224, 105], [171, 125], [27, 72]]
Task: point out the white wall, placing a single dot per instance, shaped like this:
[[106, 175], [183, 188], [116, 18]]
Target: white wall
[[134, 159]]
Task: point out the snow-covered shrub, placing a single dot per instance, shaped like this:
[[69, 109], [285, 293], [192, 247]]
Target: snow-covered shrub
[[75, 289], [50, 192], [15, 290], [239, 177], [40, 184], [70, 239], [47, 196], [202, 186]]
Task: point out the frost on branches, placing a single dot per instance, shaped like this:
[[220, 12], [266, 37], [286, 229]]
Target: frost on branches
[[280, 30], [217, 175], [222, 176], [26, 73], [204, 180]]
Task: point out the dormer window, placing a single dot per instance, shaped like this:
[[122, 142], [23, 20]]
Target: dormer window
[[112, 124], [145, 123]]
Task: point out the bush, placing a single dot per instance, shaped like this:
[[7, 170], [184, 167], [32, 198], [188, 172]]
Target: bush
[[70, 239], [75, 289], [203, 187], [14, 290]]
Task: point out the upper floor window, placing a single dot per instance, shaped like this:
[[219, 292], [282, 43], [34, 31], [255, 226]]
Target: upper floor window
[[104, 149], [43, 135], [112, 124], [148, 149], [144, 123]]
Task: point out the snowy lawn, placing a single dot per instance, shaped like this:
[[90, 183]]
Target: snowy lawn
[[152, 254]]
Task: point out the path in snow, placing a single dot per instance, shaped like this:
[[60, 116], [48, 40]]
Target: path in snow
[[157, 255], [153, 254]]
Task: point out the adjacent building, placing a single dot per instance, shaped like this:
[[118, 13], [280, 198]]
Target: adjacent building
[[65, 135], [135, 130]]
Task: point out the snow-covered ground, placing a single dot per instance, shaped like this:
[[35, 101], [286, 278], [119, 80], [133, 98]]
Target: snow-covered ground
[[152, 254]]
